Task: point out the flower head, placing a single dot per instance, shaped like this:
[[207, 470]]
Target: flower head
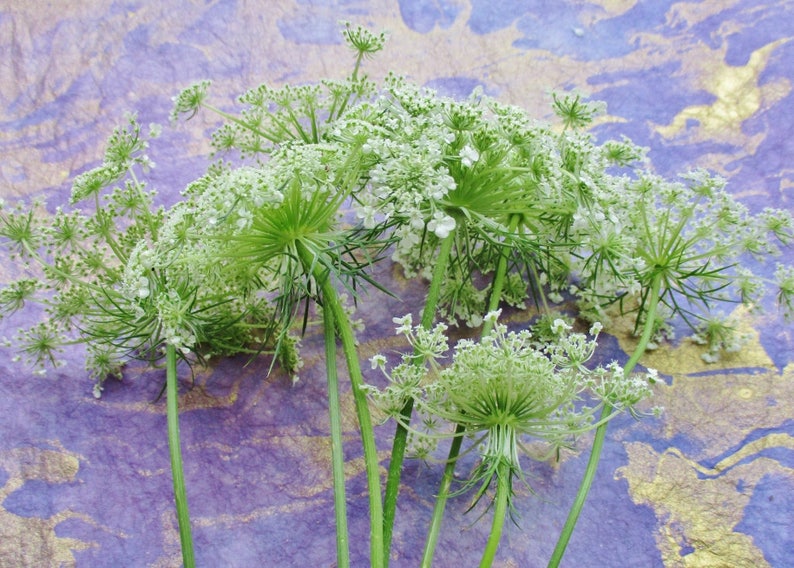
[[507, 387]]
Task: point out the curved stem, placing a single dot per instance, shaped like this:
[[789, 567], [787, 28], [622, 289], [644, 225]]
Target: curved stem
[[365, 423], [600, 433], [331, 302], [401, 433], [454, 449], [337, 456], [177, 472], [499, 513]]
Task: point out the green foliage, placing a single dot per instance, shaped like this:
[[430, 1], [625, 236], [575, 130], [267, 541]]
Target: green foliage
[[122, 276], [476, 196]]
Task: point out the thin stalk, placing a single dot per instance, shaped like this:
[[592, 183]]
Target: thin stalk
[[499, 279], [454, 448], [500, 512], [353, 80], [175, 451], [365, 423], [345, 331], [401, 433], [600, 433], [434, 530], [337, 456], [232, 118]]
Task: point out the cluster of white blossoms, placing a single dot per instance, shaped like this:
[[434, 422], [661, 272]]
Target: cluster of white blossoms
[[506, 388]]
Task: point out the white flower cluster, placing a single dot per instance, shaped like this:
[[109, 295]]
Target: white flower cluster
[[507, 385]]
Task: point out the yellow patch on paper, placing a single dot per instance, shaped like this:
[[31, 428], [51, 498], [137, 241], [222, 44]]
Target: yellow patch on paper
[[686, 355], [699, 493], [696, 517], [738, 95], [32, 541]]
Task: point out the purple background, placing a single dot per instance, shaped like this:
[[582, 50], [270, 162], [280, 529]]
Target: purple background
[[86, 482]]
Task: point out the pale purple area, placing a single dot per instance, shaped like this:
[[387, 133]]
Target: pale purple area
[[212, 25], [558, 26], [307, 29], [424, 15], [487, 17], [455, 87], [317, 21]]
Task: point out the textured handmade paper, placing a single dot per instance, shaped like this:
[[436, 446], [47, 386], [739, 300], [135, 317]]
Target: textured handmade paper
[[86, 483]]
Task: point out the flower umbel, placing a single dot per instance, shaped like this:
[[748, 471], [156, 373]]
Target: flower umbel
[[507, 387]]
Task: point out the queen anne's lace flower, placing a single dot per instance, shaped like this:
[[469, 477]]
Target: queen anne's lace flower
[[441, 224], [507, 387]]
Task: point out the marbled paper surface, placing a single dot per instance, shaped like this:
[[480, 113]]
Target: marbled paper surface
[[85, 482]]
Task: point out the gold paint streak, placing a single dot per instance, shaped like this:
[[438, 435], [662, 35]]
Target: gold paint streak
[[233, 520], [712, 409], [738, 96], [152, 472], [717, 412], [689, 14], [778, 440], [693, 512], [614, 8], [30, 463], [30, 541], [745, 393], [171, 556]]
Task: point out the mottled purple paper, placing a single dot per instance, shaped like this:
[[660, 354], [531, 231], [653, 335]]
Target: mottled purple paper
[[86, 482]]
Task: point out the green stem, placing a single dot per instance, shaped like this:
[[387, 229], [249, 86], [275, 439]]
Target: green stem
[[331, 302], [600, 433], [434, 530], [365, 423], [231, 118], [337, 456], [499, 514], [499, 278], [401, 433], [454, 449], [353, 81], [177, 472], [439, 271]]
